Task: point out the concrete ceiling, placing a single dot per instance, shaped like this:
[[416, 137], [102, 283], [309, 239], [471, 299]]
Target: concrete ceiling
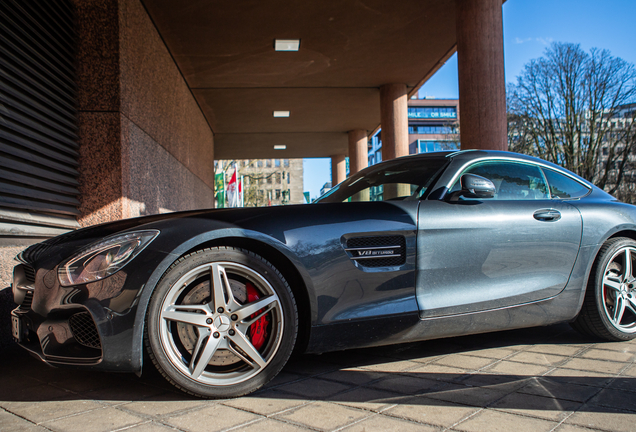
[[349, 48]]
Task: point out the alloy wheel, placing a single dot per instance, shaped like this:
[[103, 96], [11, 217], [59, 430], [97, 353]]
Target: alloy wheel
[[212, 331], [619, 290]]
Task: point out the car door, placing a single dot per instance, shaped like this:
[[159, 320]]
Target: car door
[[479, 254]]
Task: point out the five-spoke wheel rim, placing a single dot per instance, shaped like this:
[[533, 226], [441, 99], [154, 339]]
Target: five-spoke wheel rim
[[221, 322], [619, 290]]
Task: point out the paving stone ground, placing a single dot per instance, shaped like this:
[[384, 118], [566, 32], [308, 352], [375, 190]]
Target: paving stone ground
[[541, 379]]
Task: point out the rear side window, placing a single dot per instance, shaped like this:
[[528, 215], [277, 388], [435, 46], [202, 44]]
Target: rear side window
[[564, 187]]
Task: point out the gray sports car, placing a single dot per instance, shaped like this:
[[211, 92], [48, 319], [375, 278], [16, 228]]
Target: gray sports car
[[415, 248]]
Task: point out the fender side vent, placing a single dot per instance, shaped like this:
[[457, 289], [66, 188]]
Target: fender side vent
[[377, 251]]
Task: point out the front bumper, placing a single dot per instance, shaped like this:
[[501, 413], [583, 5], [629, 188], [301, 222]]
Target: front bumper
[[88, 326]]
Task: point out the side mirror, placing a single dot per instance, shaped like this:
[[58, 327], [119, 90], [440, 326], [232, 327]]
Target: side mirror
[[474, 186]]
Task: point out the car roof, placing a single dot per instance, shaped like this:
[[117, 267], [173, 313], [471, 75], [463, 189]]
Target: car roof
[[465, 156]]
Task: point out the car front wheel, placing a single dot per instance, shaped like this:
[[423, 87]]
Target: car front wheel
[[221, 323]]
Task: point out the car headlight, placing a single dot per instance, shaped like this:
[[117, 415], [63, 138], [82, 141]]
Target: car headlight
[[103, 258]]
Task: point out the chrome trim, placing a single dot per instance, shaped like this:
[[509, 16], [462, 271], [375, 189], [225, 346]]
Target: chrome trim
[[372, 248], [511, 159], [376, 256]]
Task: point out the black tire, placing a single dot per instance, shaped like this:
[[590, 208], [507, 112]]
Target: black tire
[[610, 285], [217, 336]]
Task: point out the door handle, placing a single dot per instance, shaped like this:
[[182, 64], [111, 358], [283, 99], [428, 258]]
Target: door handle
[[547, 215]]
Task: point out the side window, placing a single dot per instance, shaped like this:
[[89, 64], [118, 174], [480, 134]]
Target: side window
[[514, 181], [564, 187]]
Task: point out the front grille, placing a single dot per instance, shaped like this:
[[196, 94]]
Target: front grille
[[26, 303], [376, 244], [84, 330], [29, 273]]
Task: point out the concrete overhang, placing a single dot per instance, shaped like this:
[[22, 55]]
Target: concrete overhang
[[348, 49]]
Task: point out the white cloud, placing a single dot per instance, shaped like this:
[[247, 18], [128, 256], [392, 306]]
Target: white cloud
[[541, 40], [545, 41]]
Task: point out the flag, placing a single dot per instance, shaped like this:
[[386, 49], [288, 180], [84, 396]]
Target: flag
[[219, 187], [233, 190], [241, 194]]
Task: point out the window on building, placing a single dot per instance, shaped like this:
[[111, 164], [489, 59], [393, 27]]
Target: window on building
[[259, 164], [277, 163], [283, 175], [268, 163], [431, 129], [278, 178], [286, 163], [605, 151], [269, 179], [426, 146], [277, 194]]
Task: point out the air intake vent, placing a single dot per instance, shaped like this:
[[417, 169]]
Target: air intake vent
[[84, 330], [377, 251]]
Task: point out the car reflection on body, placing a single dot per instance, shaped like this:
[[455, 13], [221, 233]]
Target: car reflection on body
[[415, 248]]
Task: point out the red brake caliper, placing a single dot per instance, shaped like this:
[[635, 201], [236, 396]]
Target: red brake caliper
[[258, 330]]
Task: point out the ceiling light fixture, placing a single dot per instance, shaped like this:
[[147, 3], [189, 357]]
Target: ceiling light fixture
[[282, 113], [280, 147], [286, 44]]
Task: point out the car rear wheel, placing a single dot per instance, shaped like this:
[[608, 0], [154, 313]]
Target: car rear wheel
[[609, 308], [221, 323]]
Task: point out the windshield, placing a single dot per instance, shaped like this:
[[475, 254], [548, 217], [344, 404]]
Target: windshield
[[394, 180]]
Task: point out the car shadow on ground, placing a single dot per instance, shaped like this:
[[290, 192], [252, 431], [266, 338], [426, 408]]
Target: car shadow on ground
[[519, 369]]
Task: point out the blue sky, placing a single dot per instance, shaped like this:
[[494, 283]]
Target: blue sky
[[529, 27]]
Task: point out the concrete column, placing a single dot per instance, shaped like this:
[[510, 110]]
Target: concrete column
[[394, 121], [358, 150], [358, 158], [482, 90], [338, 169], [145, 147]]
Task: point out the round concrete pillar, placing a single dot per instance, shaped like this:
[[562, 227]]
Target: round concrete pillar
[[394, 121], [338, 169], [482, 89], [358, 150]]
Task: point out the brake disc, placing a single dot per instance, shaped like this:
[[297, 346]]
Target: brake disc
[[189, 334]]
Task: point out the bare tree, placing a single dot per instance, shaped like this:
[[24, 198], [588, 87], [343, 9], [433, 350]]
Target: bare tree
[[572, 108]]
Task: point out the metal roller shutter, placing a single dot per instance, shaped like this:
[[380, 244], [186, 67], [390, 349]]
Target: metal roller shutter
[[38, 141]]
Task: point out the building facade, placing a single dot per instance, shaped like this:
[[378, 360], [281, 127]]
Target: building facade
[[265, 182], [433, 125]]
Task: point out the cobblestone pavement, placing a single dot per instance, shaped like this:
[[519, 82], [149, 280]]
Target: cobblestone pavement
[[542, 379]]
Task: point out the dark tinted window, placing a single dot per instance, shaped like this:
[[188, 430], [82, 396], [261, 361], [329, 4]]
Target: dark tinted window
[[394, 180], [514, 181], [564, 187]]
